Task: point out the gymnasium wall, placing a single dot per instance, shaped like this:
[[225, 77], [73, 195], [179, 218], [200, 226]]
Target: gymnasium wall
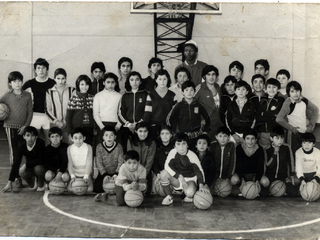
[[73, 35]]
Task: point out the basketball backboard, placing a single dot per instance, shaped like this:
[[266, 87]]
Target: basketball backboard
[[179, 7]]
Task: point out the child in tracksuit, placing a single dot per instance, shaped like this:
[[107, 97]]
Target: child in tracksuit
[[279, 159], [240, 112], [268, 110], [224, 152], [186, 116]]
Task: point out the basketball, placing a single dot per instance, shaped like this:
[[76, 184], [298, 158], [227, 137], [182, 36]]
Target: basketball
[[133, 198], [264, 181], [202, 200], [278, 188], [159, 190], [235, 179], [57, 187], [108, 184], [79, 186], [250, 190], [4, 111], [222, 188], [310, 191]]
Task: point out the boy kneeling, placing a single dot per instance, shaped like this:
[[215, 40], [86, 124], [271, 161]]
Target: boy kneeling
[[182, 170], [132, 176], [56, 158], [33, 170]]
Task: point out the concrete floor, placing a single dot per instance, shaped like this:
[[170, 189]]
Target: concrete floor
[[28, 213]]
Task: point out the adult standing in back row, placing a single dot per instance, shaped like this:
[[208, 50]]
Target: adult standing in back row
[[190, 53]]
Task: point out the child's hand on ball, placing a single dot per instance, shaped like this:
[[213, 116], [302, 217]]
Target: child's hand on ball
[[135, 186]]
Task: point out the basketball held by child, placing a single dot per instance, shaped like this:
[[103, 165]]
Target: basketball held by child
[[108, 184], [278, 188], [310, 191], [4, 111], [222, 188], [250, 190], [57, 187], [79, 186], [202, 200], [235, 179], [264, 181], [133, 198]]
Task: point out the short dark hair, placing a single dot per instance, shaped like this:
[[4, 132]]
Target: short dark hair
[[308, 137], [99, 65], [204, 137], [209, 68], [283, 72], [242, 83], [41, 62], [166, 127], [15, 76], [131, 154], [236, 64], [109, 129], [250, 131], [114, 77], [31, 130], [230, 79], [55, 130], [85, 78], [258, 76], [78, 130], [224, 130], [155, 60], [127, 83], [188, 84], [274, 82], [181, 136], [277, 131], [142, 124], [264, 63], [182, 69], [295, 85], [125, 59], [60, 71], [162, 72]]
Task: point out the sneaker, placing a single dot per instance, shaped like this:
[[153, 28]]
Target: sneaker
[[35, 186], [97, 198], [168, 200], [41, 189], [104, 197], [19, 183], [187, 200]]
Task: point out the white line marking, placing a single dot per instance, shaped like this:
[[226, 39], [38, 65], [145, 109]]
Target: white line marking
[[48, 204]]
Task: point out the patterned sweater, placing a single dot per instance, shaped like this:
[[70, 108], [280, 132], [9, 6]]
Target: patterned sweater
[[109, 161], [20, 109], [78, 106]]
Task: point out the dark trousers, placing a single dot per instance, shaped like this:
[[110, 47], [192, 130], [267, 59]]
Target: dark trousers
[[36, 171]]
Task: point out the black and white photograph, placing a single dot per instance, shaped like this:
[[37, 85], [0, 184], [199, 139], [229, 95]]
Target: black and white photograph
[[193, 120]]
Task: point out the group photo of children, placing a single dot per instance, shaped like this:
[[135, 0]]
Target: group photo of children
[[124, 137]]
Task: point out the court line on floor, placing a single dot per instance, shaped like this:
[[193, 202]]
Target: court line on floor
[[48, 204]]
